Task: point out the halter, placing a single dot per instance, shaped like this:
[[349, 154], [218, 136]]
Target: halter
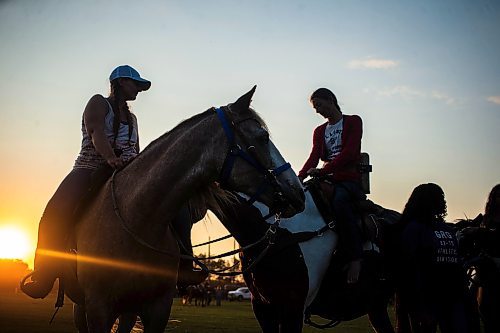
[[235, 151]]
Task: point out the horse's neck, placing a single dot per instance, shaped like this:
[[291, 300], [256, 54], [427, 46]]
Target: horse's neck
[[308, 220], [155, 185], [243, 222], [247, 226]]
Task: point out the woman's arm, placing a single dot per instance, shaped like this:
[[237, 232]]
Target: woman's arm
[[314, 156], [94, 115]]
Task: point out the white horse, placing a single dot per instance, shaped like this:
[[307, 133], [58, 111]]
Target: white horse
[[287, 279]]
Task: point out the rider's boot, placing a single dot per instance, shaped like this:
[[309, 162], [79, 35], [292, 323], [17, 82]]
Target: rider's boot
[[40, 282]]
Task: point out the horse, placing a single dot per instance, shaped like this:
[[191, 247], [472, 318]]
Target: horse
[[483, 271], [127, 256], [286, 280]]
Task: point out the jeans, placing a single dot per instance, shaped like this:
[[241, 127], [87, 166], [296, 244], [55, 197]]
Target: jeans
[[346, 194], [57, 220]]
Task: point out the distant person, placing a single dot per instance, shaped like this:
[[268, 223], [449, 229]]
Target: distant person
[[337, 143], [110, 138], [432, 285], [219, 294], [487, 237]]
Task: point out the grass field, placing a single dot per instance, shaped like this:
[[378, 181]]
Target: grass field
[[21, 314]]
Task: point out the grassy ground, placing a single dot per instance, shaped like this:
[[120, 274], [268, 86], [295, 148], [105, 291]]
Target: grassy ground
[[19, 313]]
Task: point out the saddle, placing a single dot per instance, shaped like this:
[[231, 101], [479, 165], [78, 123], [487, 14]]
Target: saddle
[[373, 218]]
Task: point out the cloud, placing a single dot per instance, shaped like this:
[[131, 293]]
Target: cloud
[[372, 63], [410, 93], [403, 91], [494, 99], [443, 97]]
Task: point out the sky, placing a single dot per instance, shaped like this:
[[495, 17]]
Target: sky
[[423, 75]]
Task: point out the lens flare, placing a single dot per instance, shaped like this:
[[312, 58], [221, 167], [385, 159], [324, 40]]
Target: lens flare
[[113, 263]]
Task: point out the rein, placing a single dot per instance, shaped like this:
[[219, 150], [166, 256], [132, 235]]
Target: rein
[[234, 151], [127, 229], [269, 235]]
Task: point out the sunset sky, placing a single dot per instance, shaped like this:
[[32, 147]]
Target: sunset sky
[[423, 75]]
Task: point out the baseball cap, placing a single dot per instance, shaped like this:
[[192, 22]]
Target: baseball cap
[[129, 72]]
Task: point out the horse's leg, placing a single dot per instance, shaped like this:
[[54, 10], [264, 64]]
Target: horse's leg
[[377, 311], [100, 318], [379, 318], [267, 316], [126, 322], [489, 308], [155, 315], [403, 324], [292, 319], [472, 311], [80, 318]]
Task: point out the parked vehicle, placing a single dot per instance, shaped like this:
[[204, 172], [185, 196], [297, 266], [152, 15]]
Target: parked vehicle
[[239, 294]]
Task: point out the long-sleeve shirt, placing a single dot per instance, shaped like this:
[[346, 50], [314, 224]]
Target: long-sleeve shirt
[[345, 165]]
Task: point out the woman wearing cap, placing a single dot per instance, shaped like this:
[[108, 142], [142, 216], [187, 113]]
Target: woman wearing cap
[[110, 139]]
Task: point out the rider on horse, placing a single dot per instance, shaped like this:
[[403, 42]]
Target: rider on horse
[[110, 141], [337, 142]]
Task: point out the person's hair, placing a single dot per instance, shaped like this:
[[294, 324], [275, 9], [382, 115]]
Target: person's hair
[[120, 105], [327, 94], [426, 204], [491, 206]]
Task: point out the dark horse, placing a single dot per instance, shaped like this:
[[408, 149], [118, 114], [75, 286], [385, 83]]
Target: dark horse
[[483, 270], [286, 282], [128, 257]]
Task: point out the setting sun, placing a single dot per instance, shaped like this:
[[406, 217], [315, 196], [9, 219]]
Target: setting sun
[[13, 243]]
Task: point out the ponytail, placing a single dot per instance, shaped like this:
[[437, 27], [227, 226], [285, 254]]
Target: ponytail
[[119, 106]]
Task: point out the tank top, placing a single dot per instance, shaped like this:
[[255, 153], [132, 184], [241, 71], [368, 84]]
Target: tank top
[[89, 158]]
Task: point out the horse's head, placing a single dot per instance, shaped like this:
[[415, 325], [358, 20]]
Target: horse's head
[[254, 165]]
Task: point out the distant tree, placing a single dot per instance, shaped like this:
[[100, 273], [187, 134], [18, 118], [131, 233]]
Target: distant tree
[[11, 273]]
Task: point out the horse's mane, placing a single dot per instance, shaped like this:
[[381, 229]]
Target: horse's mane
[[210, 197], [194, 119]]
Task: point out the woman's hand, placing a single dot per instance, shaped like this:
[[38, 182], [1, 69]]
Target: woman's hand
[[115, 162], [314, 172]]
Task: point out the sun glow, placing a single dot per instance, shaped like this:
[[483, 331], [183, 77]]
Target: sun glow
[[13, 243]]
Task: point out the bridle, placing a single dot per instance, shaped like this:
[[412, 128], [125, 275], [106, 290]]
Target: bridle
[[235, 151]]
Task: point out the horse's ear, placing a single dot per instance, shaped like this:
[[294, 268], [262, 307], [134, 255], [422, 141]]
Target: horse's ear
[[244, 101]]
